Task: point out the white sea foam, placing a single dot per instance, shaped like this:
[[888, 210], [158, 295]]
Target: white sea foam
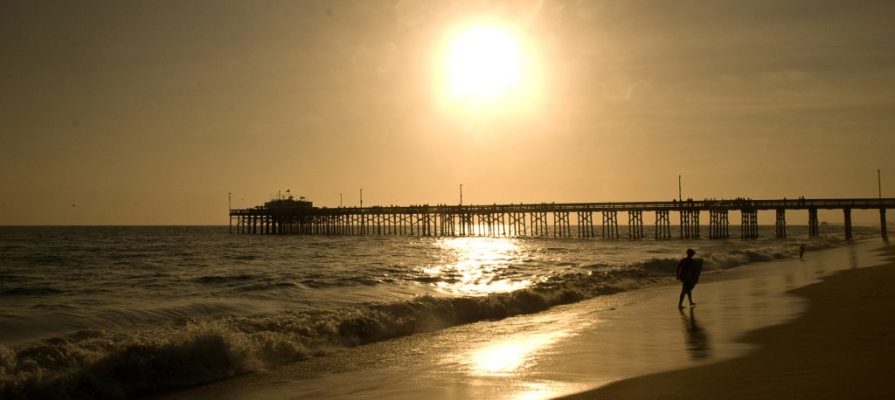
[[132, 311]]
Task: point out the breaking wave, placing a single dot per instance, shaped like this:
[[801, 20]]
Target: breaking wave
[[29, 291], [220, 279], [118, 365], [105, 364]]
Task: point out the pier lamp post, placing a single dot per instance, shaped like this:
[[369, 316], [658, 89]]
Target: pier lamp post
[[680, 198], [340, 200], [883, 224], [229, 209]]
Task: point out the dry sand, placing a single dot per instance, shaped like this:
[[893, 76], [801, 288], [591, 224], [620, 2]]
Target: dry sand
[[842, 347]]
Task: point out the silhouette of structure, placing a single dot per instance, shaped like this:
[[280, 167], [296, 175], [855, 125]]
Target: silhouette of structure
[[290, 216]]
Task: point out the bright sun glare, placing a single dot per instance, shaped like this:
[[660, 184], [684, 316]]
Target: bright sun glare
[[485, 63]]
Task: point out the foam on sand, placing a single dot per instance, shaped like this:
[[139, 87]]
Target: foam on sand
[[562, 351], [841, 347]]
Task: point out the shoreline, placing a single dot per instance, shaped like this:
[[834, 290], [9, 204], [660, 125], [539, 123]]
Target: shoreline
[[565, 350], [265, 344], [840, 347]]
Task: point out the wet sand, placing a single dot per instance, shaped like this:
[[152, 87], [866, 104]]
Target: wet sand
[[842, 347], [610, 340]]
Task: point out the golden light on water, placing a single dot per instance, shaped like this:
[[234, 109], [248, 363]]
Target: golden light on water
[[512, 354], [476, 266]]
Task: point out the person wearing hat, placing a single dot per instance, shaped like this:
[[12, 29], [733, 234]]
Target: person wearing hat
[[688, 273]]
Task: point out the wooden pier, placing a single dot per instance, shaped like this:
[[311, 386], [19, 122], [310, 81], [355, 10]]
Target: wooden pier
[[289, 216]]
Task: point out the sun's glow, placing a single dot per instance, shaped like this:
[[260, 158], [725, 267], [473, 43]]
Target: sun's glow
[[486, 65], [485, 61]]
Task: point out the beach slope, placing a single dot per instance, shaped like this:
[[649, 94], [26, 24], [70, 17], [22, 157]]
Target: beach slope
[[841, 347]]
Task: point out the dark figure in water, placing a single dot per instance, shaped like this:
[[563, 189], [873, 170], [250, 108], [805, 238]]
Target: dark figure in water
[[801, 251], [688, 273]]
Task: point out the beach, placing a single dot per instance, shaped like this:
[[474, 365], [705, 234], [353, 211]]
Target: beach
[[633, 344], [303, 317], [841, 347]]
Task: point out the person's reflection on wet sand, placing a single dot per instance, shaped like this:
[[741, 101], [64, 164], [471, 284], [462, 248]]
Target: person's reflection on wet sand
[[853, 257], [698, 344]]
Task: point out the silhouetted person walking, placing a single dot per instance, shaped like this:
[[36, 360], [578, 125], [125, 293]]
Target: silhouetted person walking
[[688, 271]]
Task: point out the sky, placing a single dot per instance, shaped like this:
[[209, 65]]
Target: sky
[[151, 112]]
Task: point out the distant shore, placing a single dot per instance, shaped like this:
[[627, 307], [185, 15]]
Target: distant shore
[[841, 347]]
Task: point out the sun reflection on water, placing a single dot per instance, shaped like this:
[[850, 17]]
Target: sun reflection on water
[[516, 353], [511, 355], [476, 266]]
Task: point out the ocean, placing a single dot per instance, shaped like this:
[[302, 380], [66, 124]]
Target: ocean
[[119, 312]]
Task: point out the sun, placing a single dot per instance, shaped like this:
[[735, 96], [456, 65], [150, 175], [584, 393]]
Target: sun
[[484, 64]]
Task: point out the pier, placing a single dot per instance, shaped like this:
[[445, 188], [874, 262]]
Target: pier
[[290, 216]]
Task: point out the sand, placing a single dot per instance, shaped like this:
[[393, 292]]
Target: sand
[[842, 347], [747, 338]]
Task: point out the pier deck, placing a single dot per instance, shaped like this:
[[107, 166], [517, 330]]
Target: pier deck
[[287, 216]]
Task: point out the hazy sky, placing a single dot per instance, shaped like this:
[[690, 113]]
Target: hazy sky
[[150, 112]]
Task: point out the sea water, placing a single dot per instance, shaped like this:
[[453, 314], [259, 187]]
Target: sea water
[[112, 312]]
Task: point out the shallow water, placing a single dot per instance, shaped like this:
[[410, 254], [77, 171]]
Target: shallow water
[[562, 351], [72, 299]]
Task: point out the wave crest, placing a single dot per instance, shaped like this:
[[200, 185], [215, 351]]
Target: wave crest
[[99, 364], [30, 291], [105, 364]]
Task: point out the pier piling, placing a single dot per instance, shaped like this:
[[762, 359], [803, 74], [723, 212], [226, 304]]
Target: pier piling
[[884, 229], [780, 223], [689, 223], [635, 224], [663, 225], [561, 226], [813, 225], [585, 224], [718, 223], [749, 227], [610, 224], [847, 215]]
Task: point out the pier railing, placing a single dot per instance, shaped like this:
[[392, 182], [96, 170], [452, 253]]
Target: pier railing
[[543, 219]]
